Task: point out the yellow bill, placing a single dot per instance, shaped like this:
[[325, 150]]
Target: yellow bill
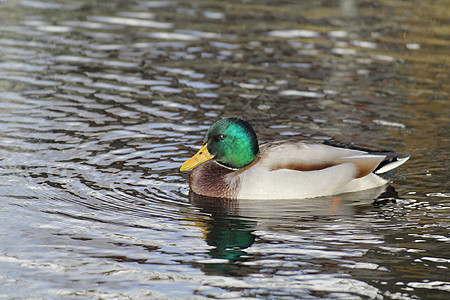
[[200, 157]]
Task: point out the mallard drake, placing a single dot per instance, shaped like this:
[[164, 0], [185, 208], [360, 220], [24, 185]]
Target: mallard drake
[[232, 165]]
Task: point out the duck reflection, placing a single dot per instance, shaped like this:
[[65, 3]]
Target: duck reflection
[[345, 204], [228, 232], [229, 237], [231, 227]]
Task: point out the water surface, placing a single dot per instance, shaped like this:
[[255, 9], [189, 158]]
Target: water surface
[[102, 102]]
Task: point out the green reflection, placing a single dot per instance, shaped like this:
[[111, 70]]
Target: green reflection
[[229, 237], [228, 233]]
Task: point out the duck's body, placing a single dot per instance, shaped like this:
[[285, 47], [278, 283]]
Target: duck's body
[[283, 170]]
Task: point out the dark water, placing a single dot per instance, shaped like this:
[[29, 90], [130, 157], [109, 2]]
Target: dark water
[[102, 101]]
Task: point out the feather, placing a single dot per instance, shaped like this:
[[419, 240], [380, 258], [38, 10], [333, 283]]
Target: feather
[[365, 164], [391, 166]]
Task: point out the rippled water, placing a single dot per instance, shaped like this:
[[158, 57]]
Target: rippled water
[[102, 101]]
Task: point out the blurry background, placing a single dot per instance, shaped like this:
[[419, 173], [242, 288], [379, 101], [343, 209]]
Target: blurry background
[[101, 102]]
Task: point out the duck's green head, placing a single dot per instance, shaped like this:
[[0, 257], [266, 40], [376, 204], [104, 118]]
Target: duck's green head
[[231, 142]]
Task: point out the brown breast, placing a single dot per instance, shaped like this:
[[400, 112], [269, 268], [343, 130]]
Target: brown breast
[[210, 179]]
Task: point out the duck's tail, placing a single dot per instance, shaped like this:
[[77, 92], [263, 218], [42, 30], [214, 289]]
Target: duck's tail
[[387, 168]]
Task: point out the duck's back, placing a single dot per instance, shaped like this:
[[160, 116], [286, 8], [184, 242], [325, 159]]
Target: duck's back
[[300, 170]]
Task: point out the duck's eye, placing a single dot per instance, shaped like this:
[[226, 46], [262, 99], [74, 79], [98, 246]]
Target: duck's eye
[[222, 136]]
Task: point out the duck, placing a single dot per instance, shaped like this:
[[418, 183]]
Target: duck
[[232, 165]]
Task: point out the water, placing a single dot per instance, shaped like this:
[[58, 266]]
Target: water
[[102, 102]]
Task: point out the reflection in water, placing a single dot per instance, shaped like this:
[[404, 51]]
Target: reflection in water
[[231, 224], [228, 233], [229, 236], [344, 204]]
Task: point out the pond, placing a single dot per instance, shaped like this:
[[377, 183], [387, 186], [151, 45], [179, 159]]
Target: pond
[[101, 103]]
